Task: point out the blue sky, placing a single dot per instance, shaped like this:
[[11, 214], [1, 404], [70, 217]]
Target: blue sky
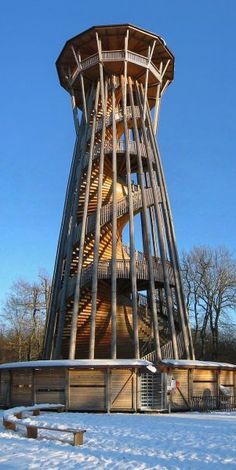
[[196, 133]]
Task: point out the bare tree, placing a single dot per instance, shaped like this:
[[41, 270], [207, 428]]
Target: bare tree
[[24, 315], [209, 276]]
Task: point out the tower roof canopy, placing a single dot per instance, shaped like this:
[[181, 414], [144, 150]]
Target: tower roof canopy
[[80, 53]]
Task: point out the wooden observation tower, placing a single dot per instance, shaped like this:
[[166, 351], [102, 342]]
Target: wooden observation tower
[[117, 290]]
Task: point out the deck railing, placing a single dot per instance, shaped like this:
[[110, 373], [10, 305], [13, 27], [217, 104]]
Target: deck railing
[[122, 208], [118, 117], [115, 56], [120, 148], [123, 270], [167, 350]]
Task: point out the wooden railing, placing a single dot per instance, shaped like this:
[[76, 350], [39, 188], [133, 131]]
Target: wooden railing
[[118, 117], [123, 270], [116, 56], [122, 208], [167, 350], [120, 148]]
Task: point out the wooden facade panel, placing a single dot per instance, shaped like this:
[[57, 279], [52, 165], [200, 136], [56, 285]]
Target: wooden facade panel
[[179, 397], [86, 377], [207, 375], [21, 398], [51, 378], [22, 377], [204, 388], [122, 389], [50, 396], [4, 387], [227, 377], [204, 383], [21, 387], [87, 398], [87, 390], [21, 395]]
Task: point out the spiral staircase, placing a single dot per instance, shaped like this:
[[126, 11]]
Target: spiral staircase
[[110, 299]]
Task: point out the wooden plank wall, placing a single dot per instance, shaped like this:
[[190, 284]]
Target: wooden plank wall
[[4, 387], [200, 383], [98, 390], [102, 390], [87, 390], [123, 394], [49, 385], [204, 383], [227, 378], [21, 387], [179, 397]]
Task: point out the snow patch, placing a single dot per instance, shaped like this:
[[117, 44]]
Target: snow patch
[[197, 364], [88, 363], [125, 442]]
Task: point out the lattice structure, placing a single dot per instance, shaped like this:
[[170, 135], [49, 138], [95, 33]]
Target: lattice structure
[[113, 298]]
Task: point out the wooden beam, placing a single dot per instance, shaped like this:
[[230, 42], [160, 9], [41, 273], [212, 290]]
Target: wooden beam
[[114, 226], [78, 62], [157, 104], [150, 54], [173, 251], [172, 246], [125, 66], [56, 283], [99, 46], [161, 236], [97, 226], [74, 111], [82, 235], [146, 227], [133, 273], [68, 253]]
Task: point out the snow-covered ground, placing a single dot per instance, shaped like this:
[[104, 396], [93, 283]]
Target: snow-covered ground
[[125, 441]]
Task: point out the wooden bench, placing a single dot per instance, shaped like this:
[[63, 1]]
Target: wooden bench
[[36, 409], [32, 429], [78, 434]]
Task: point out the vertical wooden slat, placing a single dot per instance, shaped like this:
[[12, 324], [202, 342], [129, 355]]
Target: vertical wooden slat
[[172, 247], [99, 46], [169, 301], [97, 229], [114, 227], [69, 243], [157, 103], [133, 273], [150, 54], [82, 235], [146, 228], [56, 283], [108, 389]]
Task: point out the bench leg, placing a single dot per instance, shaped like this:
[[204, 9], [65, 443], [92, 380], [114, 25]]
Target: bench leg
[[60, 410], [78, 438], [32, 432], [9, 425]]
